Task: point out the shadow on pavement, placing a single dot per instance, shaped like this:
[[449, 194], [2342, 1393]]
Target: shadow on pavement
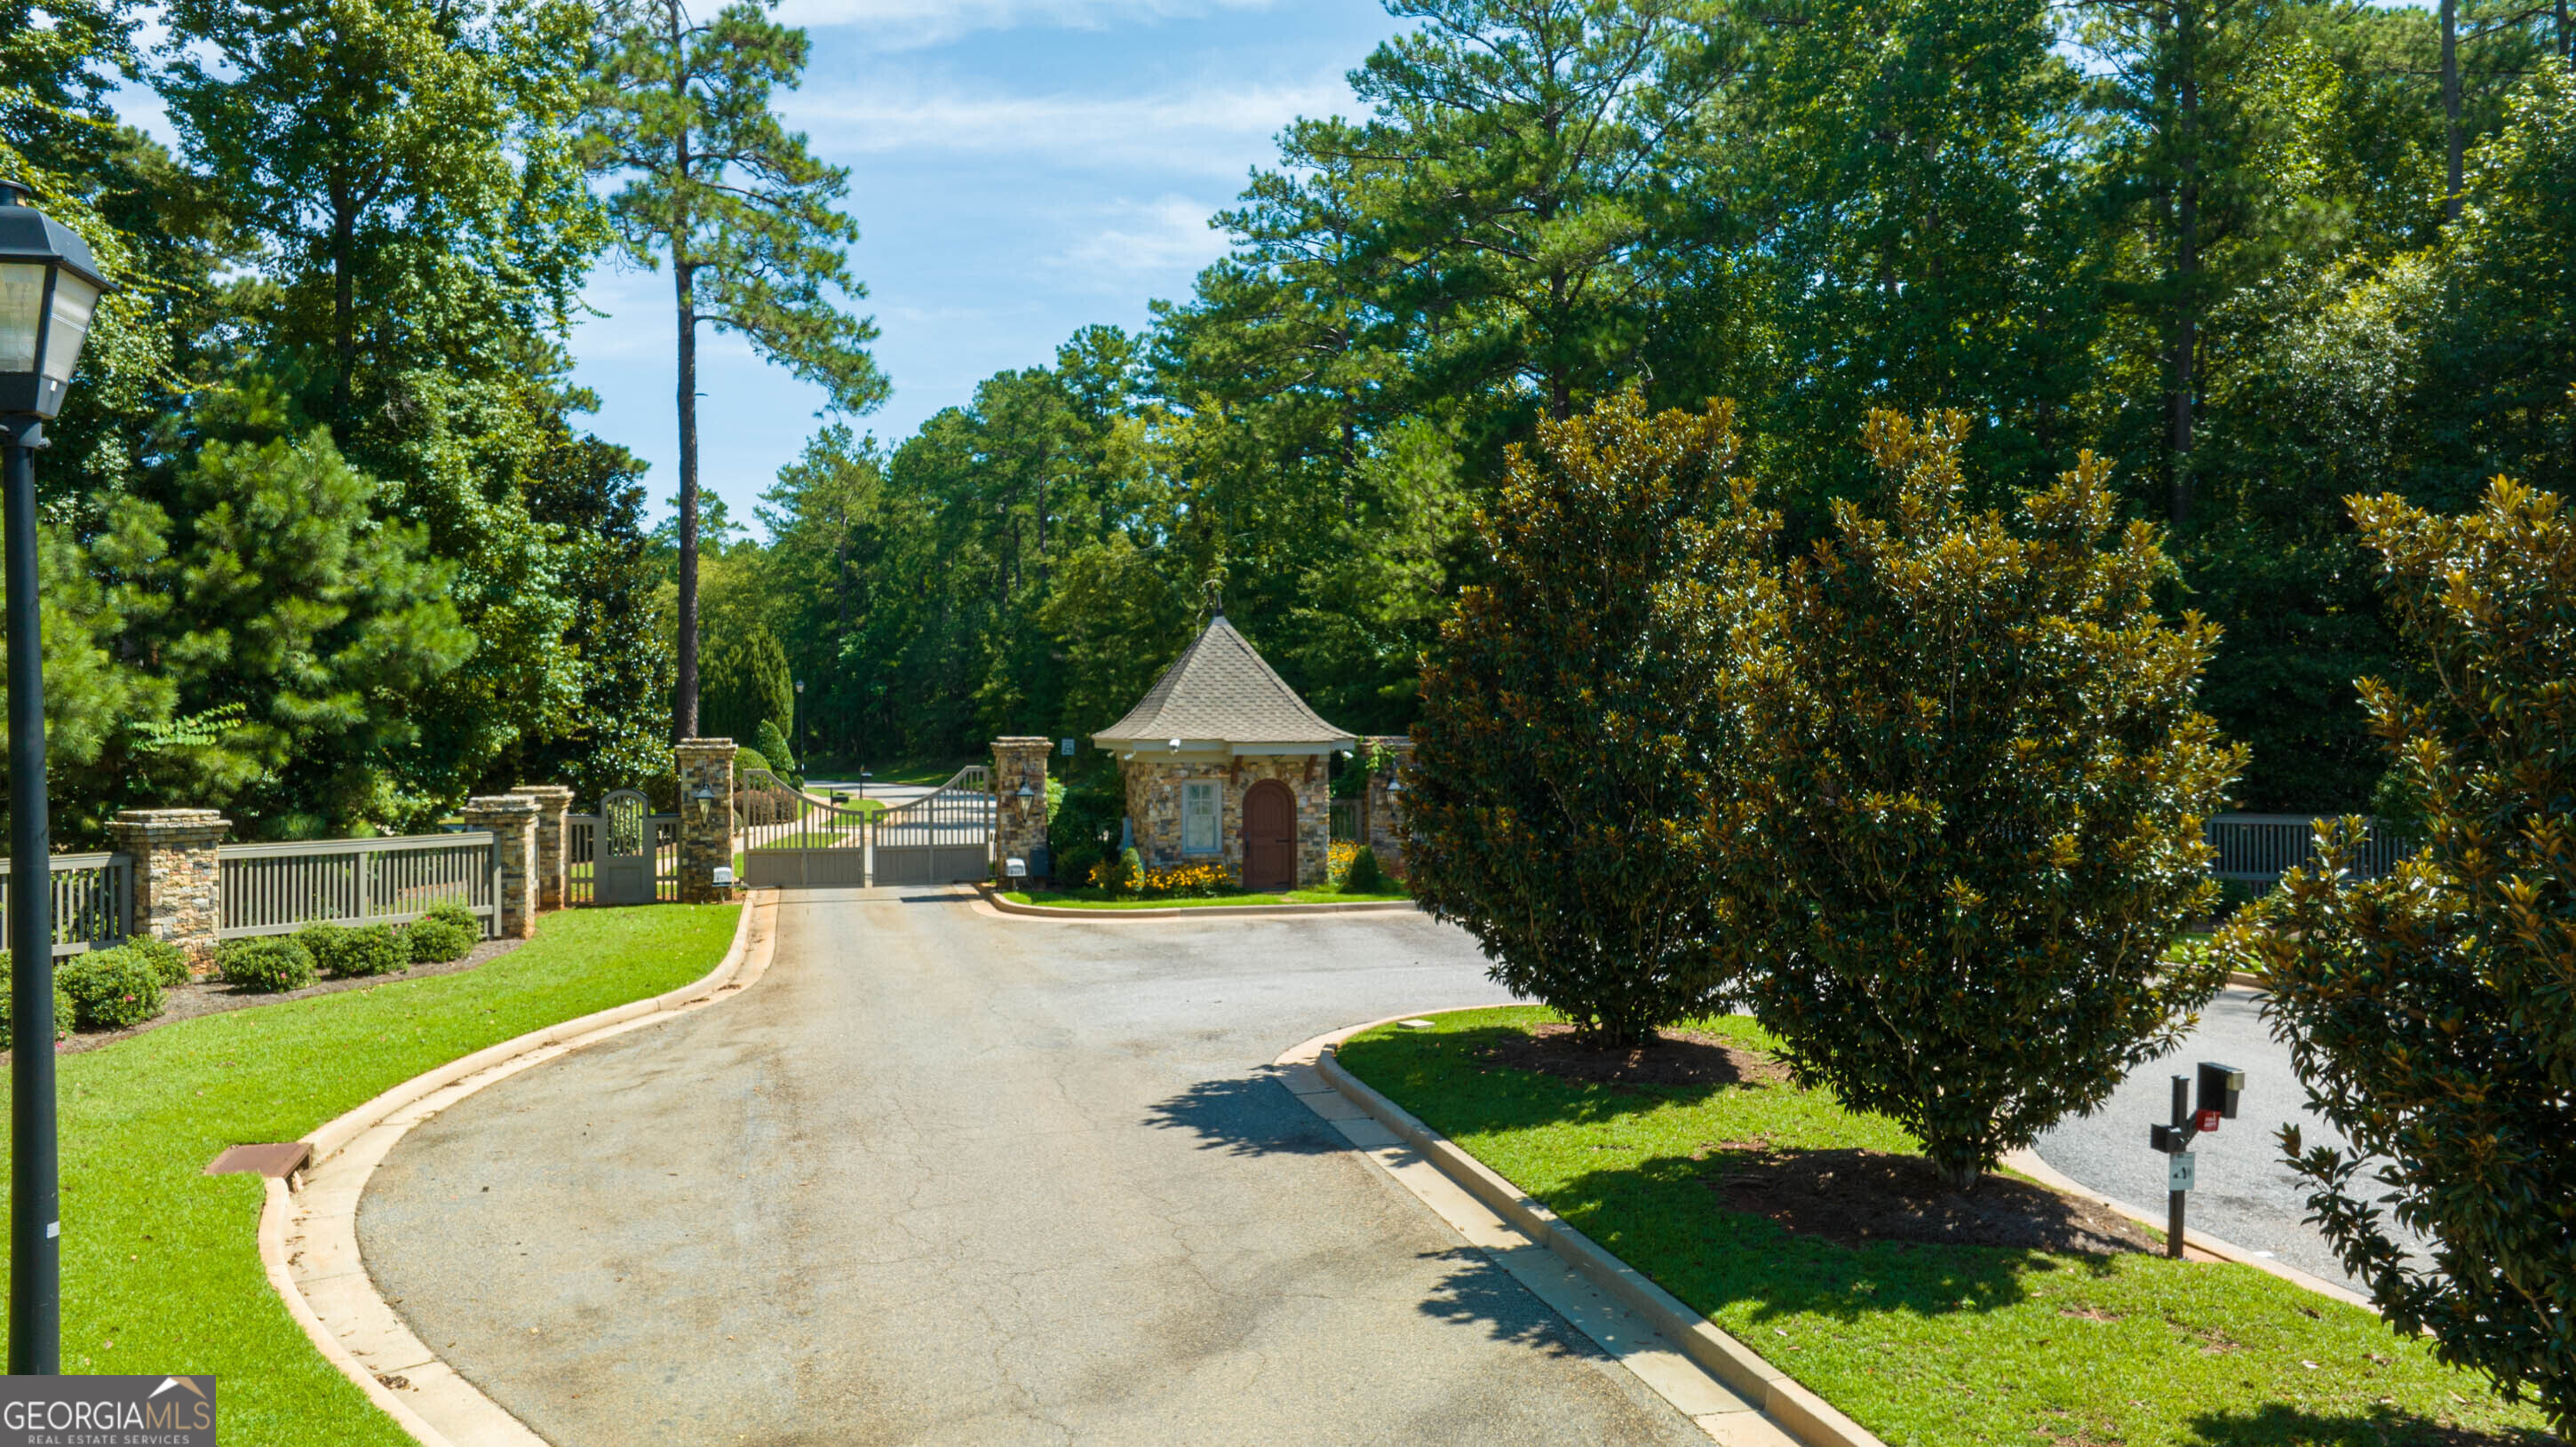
[[1250, 1116], [1475, 1289], [2288, 1426]]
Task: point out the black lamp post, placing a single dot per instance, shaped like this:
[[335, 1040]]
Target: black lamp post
[[799, 707], [48, 288]]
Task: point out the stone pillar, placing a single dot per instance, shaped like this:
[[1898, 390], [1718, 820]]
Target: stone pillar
[[706, 824], [177, 886], [1020, 825], [512, 818], [553, 802], [1378, 827]]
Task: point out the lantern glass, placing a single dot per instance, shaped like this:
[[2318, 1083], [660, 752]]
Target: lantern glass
[[22, 303], [74, 301]]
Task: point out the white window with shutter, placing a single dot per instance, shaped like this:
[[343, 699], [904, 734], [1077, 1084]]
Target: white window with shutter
[[1198, 819]]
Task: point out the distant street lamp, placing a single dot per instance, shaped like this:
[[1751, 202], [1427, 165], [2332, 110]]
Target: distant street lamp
[[49, 287], [799, 707]]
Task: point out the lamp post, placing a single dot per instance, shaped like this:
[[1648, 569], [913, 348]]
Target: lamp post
[[48, 288], [800, 723]]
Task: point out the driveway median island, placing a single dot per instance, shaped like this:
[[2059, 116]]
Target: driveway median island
[[1820, 1238]]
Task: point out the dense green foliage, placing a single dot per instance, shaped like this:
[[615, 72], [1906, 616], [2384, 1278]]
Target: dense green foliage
[[349, 952], [1969, 785], [2430, 1012], [66, 1015], [110, 989], [448, 932], [1569, 745], [2218, 253], [265, 962], [323, 547]]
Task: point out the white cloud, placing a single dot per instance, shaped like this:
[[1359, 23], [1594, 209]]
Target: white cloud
[[902, 24], [1218, 130], [1161, 238]]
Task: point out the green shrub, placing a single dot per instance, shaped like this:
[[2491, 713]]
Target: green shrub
[[746, 758], [169, 962], [773, 743], [349, 952], [2429, 1012], [1366, 875], [1558, 808], [1974, 780], [110, 989], [448, 932], [266, 962], [66, 1014]]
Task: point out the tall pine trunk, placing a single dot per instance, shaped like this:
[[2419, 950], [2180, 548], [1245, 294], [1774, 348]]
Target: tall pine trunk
[[684, 708], [2453, 143]]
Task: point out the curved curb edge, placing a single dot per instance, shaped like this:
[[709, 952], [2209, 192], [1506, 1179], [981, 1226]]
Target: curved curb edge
[[994, 898], [308, 1239]]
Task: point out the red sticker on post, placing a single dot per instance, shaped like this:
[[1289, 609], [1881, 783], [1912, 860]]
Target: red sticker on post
[[2209, 1120]]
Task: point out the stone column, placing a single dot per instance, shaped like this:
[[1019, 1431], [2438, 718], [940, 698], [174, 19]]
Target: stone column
[[706, 824], [1020, 825], [1378, 827], [177, 885], [512, 818], [553, 802]]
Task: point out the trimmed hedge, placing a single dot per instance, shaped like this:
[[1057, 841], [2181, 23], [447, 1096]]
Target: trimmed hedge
[[448, 932], [66, 1014], [348, 952], [266, 962], [110, 989]]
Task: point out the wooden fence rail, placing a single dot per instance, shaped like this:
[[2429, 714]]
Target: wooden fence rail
[[269, 889], [92, 893]]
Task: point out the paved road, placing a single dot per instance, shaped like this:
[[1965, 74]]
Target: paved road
[[943, 1177], [2242, 1193]]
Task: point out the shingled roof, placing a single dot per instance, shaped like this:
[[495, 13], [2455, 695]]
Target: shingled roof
[[1220, 691]]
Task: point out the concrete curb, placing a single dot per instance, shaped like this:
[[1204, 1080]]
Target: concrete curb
[[308, 1240], [994, 898], [1807, 1417]]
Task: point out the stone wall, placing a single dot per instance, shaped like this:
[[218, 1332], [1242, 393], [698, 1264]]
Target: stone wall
[[706, 825], [512, 820], [552, 864], [177, 883], [1378, 828], [1154, 804], [1020, 825]]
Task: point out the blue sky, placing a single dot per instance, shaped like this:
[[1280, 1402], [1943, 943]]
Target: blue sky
[[1018, 168]]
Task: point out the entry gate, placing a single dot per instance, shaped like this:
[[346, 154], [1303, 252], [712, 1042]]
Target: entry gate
[[791, 838], [622, 859]]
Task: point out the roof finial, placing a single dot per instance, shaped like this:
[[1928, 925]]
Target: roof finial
[[1215, 596]]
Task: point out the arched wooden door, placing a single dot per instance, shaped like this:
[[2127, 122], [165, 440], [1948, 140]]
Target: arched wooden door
[[1269, 836]]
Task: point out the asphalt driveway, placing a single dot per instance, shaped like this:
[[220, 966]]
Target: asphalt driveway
[[2242, 1191], [945, 1177]]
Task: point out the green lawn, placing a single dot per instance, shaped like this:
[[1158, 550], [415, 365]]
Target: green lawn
[[1940, 1346], [1091, 899], [161, 1269]]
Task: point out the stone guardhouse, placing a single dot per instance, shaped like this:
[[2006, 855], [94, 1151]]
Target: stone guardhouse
[[1224, 763]]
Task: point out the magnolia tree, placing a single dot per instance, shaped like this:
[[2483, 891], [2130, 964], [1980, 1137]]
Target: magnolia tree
[[2433, 1013], [1563, 800], [1972, 787]]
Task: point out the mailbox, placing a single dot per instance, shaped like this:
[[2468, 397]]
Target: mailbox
[[723, 877], [1016, 868], [2172, 1140], [2220, 1085]]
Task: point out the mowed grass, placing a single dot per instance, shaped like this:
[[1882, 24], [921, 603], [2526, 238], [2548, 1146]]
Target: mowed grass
[[1928, 1346], [1087, 899], [161, 1269]]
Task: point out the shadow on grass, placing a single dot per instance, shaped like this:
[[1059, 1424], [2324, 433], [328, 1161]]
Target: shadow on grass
[[1247, 1116], [2277, 1424], [1403, 1067]]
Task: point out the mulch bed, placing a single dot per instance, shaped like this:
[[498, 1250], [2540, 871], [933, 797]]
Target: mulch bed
[[1855, 1197], [214, 997], [1682, 1057]]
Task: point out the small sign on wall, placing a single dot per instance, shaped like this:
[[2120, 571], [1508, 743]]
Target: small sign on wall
[[1065, 747]]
